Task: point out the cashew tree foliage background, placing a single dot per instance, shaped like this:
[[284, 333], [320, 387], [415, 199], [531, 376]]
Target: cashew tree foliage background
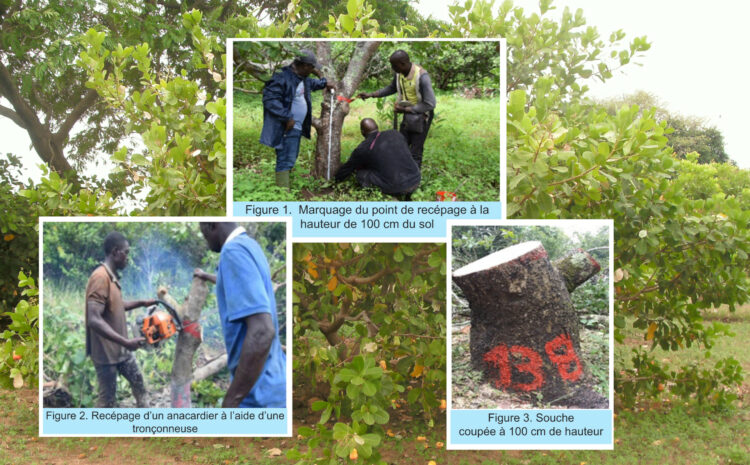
[[369, 332]]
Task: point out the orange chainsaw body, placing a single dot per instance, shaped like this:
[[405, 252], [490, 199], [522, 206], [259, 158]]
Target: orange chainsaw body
[[158, 326]]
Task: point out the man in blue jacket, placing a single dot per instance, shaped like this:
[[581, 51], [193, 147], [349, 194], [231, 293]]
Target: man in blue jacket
[[287, 111]]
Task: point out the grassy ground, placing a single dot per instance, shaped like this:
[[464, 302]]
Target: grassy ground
[[461, 155], [658, 432]]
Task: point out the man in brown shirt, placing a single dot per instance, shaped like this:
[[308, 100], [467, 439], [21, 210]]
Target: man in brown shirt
[[106, 326]]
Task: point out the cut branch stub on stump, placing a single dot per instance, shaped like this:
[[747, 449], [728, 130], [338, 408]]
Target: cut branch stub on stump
[[524, 329]]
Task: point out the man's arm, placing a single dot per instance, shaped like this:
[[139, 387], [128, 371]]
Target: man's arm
[[198, 273], [130, 305], [354, 162], [253, 355], [94, 312], [428, 96], [390, 89], [317, 84]]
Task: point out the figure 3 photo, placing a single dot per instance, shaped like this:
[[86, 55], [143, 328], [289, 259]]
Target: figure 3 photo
[[367, 120], [531, 316]]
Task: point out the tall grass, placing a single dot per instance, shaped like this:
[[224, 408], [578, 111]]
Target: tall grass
[[461, 154]]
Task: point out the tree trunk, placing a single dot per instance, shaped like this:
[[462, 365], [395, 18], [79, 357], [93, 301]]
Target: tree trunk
[[524, 329], [188, 341], [332, 117]]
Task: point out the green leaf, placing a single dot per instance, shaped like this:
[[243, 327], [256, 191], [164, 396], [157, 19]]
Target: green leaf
[[346, 22]]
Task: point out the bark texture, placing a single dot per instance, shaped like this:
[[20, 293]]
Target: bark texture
[[332, 116], [188, 341], [524, 329]]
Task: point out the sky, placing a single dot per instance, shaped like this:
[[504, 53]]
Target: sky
[[698, 64]]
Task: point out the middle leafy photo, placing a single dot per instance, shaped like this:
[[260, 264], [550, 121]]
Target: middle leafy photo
[[368, 120], [369, 347]]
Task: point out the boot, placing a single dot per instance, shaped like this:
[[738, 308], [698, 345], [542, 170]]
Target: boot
[[282, 179]]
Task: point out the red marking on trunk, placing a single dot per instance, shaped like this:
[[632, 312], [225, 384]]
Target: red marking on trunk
[[566, 359], [192, 328], [499, 357], [534, 255], [341, 98], [593, 261]]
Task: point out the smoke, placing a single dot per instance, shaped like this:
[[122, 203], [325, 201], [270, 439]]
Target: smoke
[[157, 261]]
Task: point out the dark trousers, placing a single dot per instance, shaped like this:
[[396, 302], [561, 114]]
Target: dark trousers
[[416, 139], [107, 377]]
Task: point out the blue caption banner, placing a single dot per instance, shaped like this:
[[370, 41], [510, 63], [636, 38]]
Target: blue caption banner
[[164, 422], [370, 219], [531, 427]]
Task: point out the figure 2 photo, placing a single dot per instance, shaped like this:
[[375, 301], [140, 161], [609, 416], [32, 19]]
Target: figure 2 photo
[[368, 120], [155, 314]]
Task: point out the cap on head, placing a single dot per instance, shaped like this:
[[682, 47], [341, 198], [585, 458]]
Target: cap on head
[[367, 126], [306, 57]]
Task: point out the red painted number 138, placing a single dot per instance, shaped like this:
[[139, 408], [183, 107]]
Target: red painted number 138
[[559, 350]]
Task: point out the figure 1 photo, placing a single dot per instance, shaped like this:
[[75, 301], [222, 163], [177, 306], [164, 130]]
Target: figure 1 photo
[[368, 120], [531, 316], [160, 314]]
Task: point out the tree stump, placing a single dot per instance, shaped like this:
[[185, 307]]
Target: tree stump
[[524, 329]]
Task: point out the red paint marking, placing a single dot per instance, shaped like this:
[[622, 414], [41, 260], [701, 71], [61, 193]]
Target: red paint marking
[[596, 264], [445, 196], [534, 255], [564, 360], [193, 329], [499, 358], [341, 98], [533, 367]]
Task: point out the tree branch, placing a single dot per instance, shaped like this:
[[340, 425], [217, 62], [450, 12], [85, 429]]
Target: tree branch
[[88, 100], [41, 137], [12, 115], [368, 280]]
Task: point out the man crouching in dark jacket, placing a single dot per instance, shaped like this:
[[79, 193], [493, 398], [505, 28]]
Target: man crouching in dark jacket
[[383, 159]]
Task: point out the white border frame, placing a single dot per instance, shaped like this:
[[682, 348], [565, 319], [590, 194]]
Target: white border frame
[[449, 340], [230, 100], [179, 219]]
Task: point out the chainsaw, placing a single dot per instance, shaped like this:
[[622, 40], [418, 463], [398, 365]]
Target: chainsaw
[[158, 325]]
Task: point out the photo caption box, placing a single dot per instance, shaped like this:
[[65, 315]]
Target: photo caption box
[[164, 422], [530, 429], [369, 219]]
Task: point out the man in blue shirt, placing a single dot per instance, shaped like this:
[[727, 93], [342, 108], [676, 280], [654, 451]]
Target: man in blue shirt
[[287, 111], [247, 309]]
